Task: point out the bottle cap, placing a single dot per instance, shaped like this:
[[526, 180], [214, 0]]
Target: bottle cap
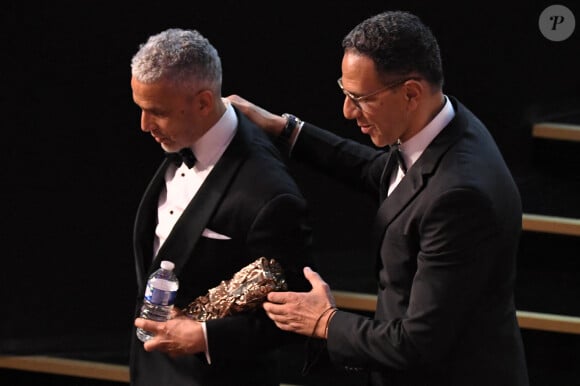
[[168, 265]]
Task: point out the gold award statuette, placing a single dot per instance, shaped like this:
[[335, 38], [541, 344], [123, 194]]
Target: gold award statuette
[[245, 291]]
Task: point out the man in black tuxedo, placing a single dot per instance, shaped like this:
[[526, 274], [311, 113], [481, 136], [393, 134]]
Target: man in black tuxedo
[[446, 232], [228, 203]]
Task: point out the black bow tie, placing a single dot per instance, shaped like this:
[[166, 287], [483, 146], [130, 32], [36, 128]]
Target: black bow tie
[[400, 159], [185, 155]]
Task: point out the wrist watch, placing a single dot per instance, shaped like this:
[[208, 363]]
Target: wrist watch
[[291, 124]]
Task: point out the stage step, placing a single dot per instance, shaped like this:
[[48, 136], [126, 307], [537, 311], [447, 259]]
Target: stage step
[[530, 320], [558, 131], [551, 224]]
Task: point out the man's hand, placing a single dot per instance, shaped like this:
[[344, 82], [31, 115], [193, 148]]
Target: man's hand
[[305, 313], [178, 336], [270, 123]]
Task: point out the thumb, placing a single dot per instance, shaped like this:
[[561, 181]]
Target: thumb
[[313, 277], [319, 286]]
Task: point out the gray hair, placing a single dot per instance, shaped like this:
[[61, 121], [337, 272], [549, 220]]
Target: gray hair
[[181, 56]]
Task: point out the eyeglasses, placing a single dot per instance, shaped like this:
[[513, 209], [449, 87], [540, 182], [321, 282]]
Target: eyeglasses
[[357, 100]]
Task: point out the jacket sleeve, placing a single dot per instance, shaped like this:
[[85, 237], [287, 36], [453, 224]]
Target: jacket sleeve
[[279, 231], [349, 161]]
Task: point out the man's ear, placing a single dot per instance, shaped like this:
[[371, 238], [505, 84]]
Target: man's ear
[[203, 101], [413, 89]]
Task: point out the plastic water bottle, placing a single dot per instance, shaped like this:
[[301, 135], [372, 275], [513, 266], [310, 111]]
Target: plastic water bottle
[[159, 297]]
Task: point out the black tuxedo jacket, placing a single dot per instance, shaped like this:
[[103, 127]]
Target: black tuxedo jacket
[[250, 197], [446, 242]]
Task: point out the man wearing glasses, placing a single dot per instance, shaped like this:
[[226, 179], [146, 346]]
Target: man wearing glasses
[[446, 232]]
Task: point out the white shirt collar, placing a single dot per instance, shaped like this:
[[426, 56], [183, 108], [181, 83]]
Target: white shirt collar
[[415, 146], [210, 147]]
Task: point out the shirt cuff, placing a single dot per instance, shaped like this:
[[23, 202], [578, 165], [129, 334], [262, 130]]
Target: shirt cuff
[[298, 130], [207, 356]]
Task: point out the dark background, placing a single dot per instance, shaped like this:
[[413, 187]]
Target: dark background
[[76, 163]]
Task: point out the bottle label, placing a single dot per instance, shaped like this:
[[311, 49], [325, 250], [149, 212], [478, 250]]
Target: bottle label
[[158, 296]]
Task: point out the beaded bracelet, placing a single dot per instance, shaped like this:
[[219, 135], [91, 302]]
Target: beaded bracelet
[[320, 318], [328, 321]]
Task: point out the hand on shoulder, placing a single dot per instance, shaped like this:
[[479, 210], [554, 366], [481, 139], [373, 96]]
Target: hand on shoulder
[[270, 123]]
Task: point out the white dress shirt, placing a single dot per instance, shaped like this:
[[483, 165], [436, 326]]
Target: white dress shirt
[[412, 149]]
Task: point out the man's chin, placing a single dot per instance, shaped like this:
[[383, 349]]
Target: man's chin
[[378, 142]]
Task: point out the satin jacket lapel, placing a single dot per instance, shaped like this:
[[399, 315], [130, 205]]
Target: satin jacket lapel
[[391, 206], [186, 232], [144, 226], [413, 182], [389, 168]]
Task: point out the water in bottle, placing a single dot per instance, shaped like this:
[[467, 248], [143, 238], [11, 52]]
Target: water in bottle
[[159, 297]]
